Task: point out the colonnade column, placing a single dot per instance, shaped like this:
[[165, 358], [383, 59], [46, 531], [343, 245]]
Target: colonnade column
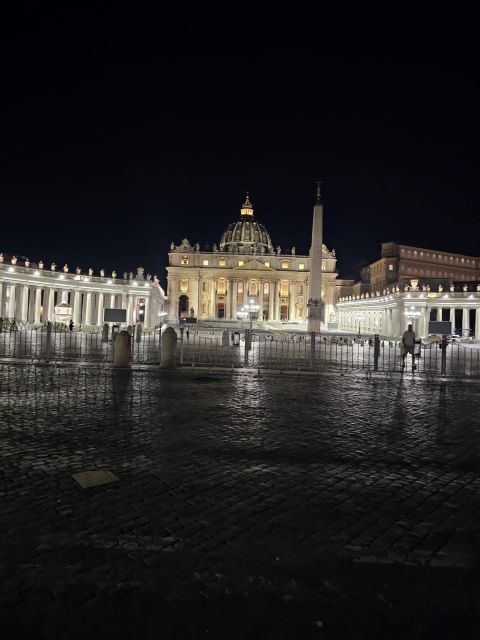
[[24, 309], [112, 301], [76, 307], [1, 299], [38, 303], [129, 309], [477, 324], [100, 309], [146, 312], [466, 320], [51, 305], [88, 309], [11, 302]]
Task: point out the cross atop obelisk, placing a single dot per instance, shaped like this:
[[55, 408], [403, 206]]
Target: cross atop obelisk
[[315, 305]]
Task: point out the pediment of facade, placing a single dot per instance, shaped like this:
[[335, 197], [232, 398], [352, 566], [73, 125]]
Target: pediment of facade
[[254, 265]]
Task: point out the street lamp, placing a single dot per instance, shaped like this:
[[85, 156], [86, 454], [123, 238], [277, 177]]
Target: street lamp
[[250, 310]]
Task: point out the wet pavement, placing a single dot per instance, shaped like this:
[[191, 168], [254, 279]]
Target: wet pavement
[[246, 505]]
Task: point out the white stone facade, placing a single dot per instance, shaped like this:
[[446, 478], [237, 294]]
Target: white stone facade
[[388, 314], [31, 293], [214, 285]]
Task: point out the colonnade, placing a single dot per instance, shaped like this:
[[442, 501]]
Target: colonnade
[[392, 317], [39, 303]]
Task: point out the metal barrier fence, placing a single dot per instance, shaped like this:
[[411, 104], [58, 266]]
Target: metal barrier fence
[[254, 350]]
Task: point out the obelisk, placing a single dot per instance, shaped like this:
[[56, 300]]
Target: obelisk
[[315, 305]]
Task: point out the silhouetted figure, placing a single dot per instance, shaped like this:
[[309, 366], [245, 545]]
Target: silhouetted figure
[[70, 325]]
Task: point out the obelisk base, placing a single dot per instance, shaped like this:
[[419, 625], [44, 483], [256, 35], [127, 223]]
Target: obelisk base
[[315, 315]]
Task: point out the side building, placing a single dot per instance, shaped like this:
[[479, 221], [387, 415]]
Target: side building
[[32, 294], [413, 285], [244, 267]]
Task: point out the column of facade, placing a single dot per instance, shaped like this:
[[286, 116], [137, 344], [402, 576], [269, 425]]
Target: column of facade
[[228, 299], [245, 292], [260, 299], [88, 309], [100, 309], [271, 298], [1, 299], [11, 302], [477, 324], [276, 301], [211, 295], [293, 301], [234, 299], [112, 301]]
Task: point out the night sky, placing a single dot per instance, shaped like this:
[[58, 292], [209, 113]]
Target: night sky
[[123, 129]]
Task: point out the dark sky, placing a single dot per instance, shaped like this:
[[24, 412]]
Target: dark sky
[[123, 129]]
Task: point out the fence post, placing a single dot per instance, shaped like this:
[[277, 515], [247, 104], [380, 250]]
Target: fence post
[[1, 325], [376, 351], [444, 355], [312, 349], [122, 349], [248, 346], [168, 348], [48, 343]]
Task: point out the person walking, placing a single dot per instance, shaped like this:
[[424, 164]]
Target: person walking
[[408, 345], [187, 333], [70, 324]]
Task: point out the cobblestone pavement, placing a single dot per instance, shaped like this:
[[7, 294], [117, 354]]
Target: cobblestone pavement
[[246, 506]]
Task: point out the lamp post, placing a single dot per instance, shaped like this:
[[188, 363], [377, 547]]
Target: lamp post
[[250, 310]]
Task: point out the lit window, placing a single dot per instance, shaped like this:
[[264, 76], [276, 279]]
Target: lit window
[[222, 262], [390, 267], [184, 260], [205, 263], [241, 263], [204, 287], [301, 266], [267, 264], [284, 289], [266, 288], [252, 288], [240, 287], [221, 286], [324, 265], [183, 286], [285, 264]]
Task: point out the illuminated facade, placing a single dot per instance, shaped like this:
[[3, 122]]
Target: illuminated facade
[[413, 285], [34, 294], [245, 266]]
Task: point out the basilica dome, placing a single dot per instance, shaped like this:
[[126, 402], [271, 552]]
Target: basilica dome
[[246, 235]]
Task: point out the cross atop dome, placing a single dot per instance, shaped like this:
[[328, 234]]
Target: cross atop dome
[[247, 207]]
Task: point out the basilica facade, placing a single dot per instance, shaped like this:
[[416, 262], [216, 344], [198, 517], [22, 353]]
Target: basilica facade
[[244, 268]]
